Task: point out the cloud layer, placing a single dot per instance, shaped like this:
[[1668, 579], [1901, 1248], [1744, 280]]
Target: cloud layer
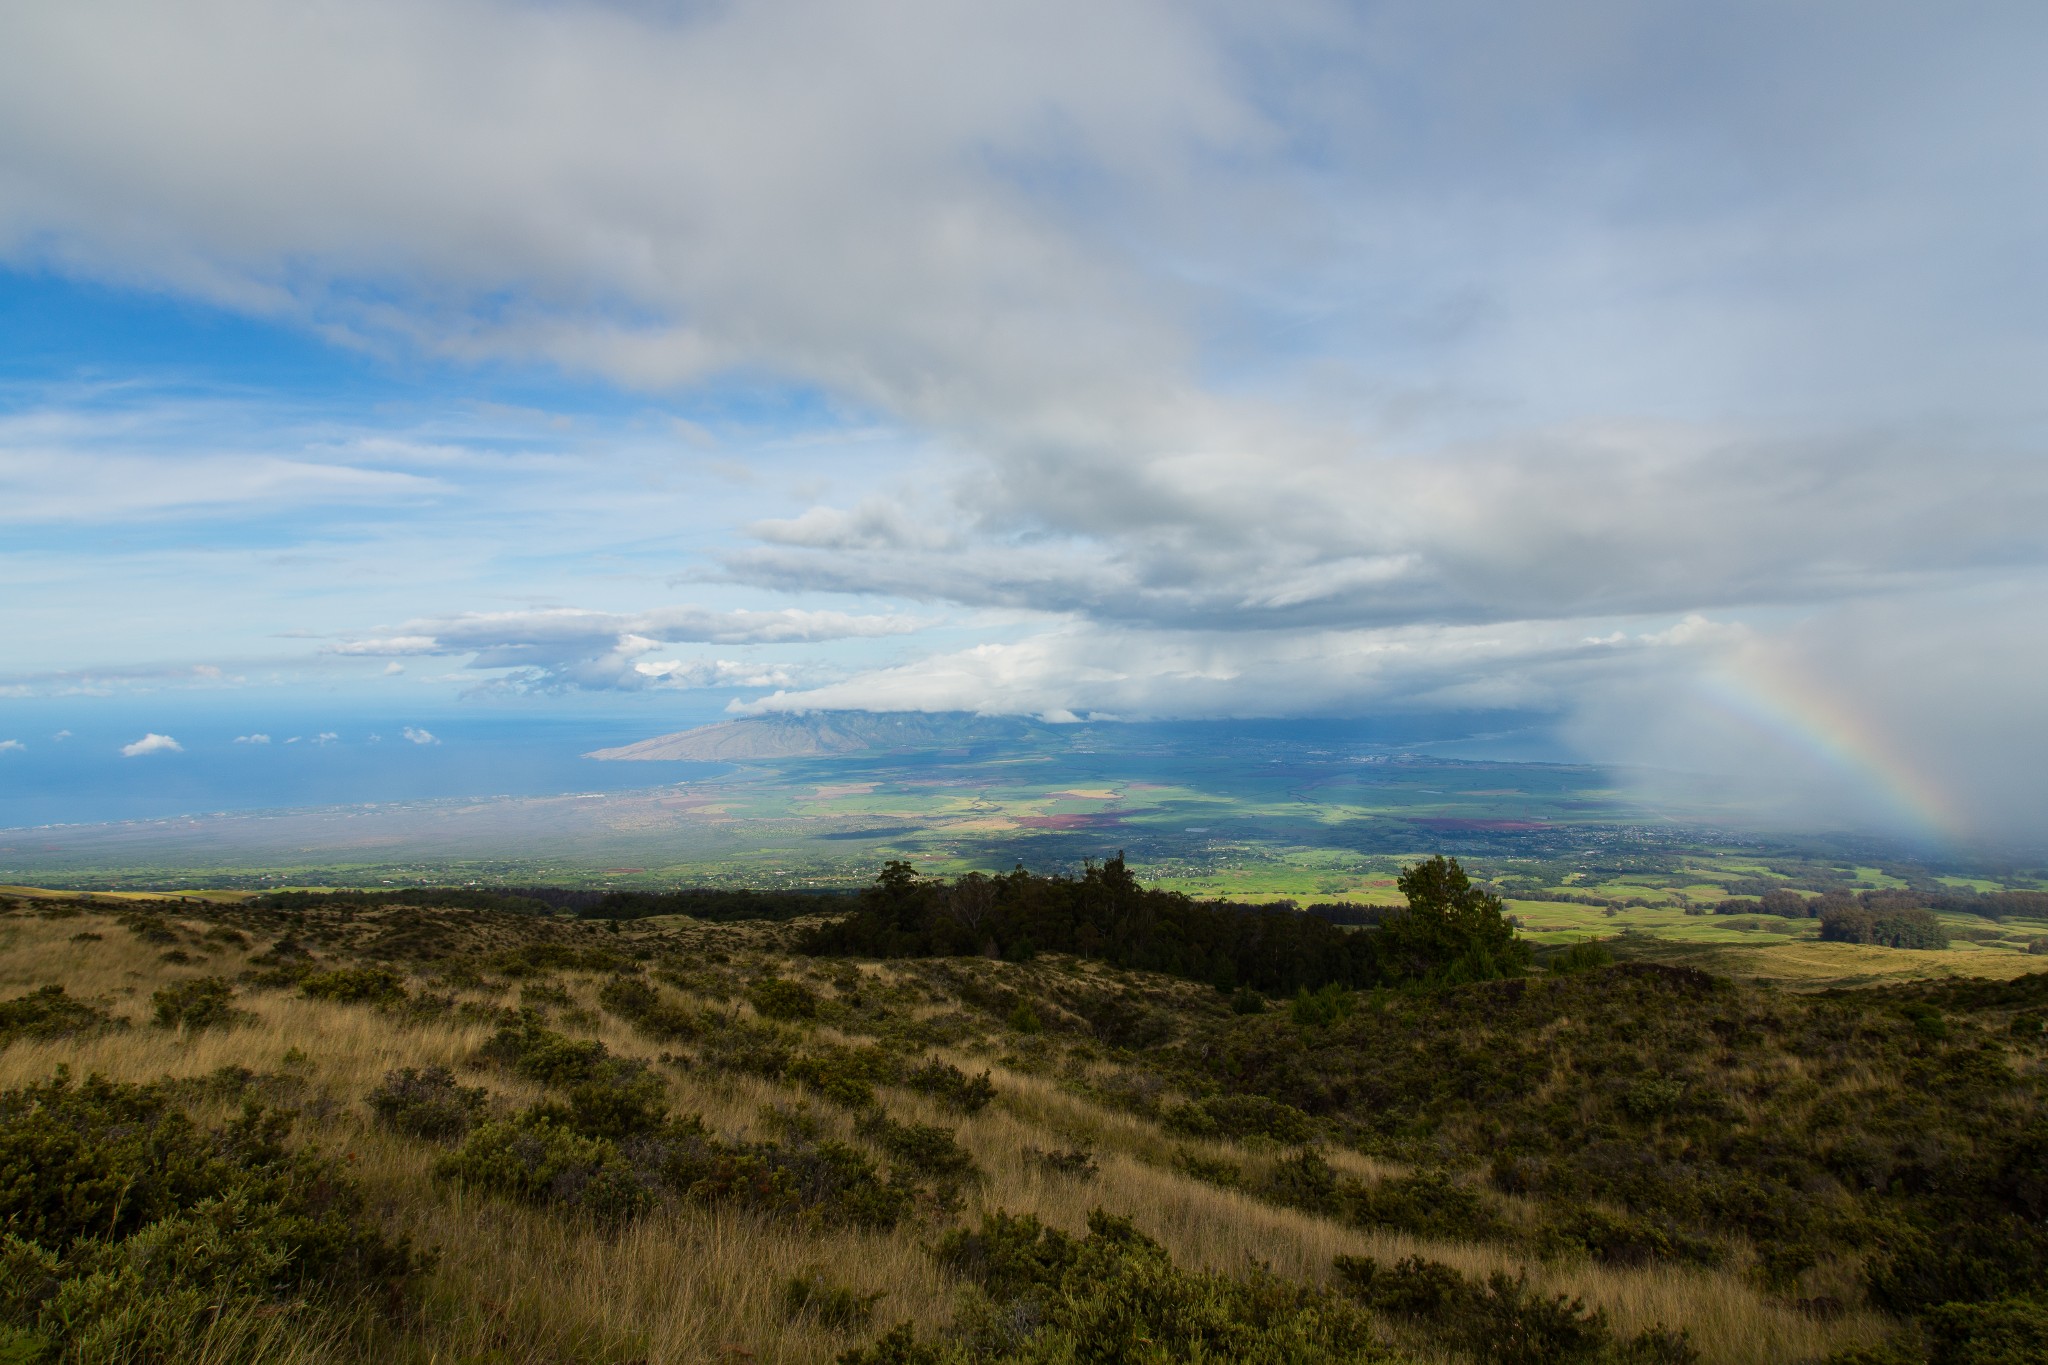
[[1154, 359], [566, 648]]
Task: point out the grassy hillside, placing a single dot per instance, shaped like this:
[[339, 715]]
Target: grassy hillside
[[520, 1138]]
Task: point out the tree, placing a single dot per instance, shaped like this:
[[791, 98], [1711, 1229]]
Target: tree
[[1451, 932]]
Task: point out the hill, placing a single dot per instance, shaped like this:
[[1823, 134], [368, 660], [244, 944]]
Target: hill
[[664, 1139]]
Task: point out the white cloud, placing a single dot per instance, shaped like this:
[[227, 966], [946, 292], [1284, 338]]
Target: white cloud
[[419, 736], [258, 738], [568, 648], [393, 669], [9, 745], [152, 743], [326, 737], [61, 735]]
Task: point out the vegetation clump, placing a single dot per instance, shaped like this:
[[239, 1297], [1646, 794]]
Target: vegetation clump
[[427, 1103], [1045, 1297], [951, 1086], [1451, 930], [49, 1012], [1501, 1321], [202, 1002], [134, 1234], [355, 985]]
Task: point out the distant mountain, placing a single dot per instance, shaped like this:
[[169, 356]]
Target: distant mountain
[[836, 732]]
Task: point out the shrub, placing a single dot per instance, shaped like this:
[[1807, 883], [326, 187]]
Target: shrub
[[774, 998], [134, 1234], [50, 1013], [538, 1160], [810, 1298], [200, 1003], [925, 1148], [651, 1014], [1116, 1295], [538, 1053], [2005, 1332], [844, 1075], [1582, 957], [1246, 1000], [951, 1086], [1501, 1321], [1076, 1163], [1323, 1007], [1024, 1019], [1243, 1116], [355, 985], [427, 1103]]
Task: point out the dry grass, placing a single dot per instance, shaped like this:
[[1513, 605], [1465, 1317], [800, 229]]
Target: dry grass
[[523, 1286]]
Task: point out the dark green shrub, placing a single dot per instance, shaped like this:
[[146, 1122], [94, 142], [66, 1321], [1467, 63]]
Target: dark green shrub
[[1651, 1097], [2005, 1332], [538, 1053], [133, 1234], [1582, 957], [1025, 1019], [809, 1298], [651, 1014], [50, 1013], [1501, 1321], [774, 998], [925, 1148], [355, 985], [1116, 1296], [1076, 1163], [1322, 1007], [1243, 1116], [951, 1086], [537, 1160], [199, 1003], [427, 1103], [844, 1075]]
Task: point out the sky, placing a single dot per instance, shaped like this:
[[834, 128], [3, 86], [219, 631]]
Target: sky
[[1669, 374]]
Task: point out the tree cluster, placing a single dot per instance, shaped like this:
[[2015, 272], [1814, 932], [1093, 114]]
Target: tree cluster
[[1450, 931]]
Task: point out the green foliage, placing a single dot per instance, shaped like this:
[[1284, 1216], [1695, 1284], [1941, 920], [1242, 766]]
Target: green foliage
[[1247, 1000], [774, 998], [809, 1298], [355, 985], [50, 1013], [427, 1103], [1323, 1007], [2005, 1332], [1025, 1019], [1581, 957], [539, 1158], [133, 1234], [1075, 1163], [925, 1148], [1450, 932], [651, 1014], [202, 1002], [844, 1075], [1242, 1116], [1115, 1295], [1903, 927], [951, 1086], [1501, 1321]]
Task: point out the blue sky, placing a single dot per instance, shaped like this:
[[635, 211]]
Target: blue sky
[[1667, 373]]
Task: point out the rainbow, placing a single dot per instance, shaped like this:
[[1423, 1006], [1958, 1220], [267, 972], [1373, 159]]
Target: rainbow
[[1813, 719]]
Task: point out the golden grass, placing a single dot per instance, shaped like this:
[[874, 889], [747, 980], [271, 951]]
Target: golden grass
[[525, 1287]]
